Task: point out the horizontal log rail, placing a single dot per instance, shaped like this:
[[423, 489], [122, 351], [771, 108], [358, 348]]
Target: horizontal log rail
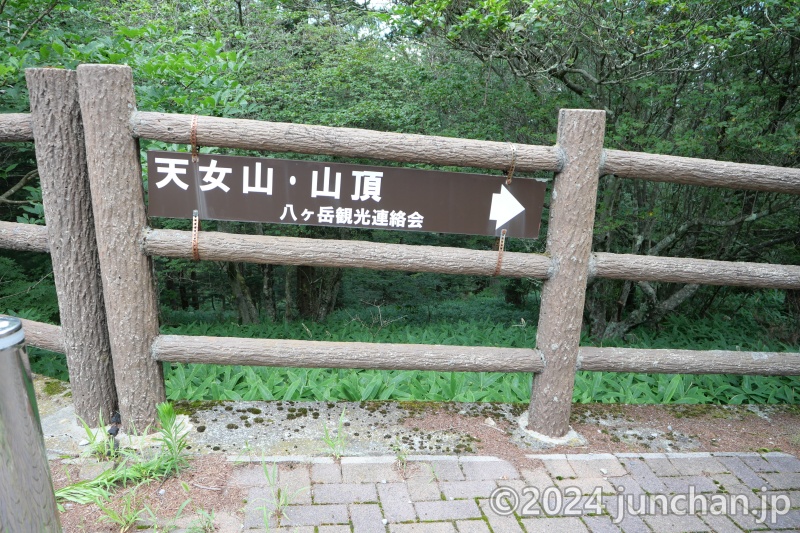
[[381, 356], [689, 270], [345, 142], [707, 172], [216, 246], [23, 237], [41, 335], [324, 354], [669, 361], [16, 127], [410, 148]]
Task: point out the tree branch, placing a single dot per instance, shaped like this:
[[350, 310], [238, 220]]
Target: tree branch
[[4, 198], [37, 20]]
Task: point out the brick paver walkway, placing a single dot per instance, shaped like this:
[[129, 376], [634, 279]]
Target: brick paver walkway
[[655, 492]]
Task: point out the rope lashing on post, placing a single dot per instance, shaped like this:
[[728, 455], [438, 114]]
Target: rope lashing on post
[[501, 245], [195, 232]]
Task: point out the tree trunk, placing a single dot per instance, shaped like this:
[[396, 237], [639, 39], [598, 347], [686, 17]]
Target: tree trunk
[[244, 301], [268, 291], [317, 290]]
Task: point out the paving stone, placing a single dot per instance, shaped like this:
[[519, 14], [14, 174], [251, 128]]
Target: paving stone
[[467, 489], [739, 468], [593, 465], [782, 481], [314, 515], [645, 477], [783, 462], [259, 501], [326, 473], [784, 520], [366, 518], [757, 463], [538, 478], [587, 485], [472, 526], [661, 466], [681, 484], [474, 471], [428, 527], [697, 466], [559, 468], [630, 523], [447, 470], [719, 524], [500, 524], [447, 510], [369, 473], [422, 487], [396, 502], [334, 529], [747, 521], [600, 524], [296, 482], [247, 476], [626, 485], [675, 523], [551, 525], [344, 493]]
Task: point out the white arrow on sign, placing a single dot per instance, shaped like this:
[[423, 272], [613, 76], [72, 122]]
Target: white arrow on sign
[[504, 207]]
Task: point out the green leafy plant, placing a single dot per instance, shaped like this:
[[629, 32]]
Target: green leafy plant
[[336, 443], [126, 517], [281, 499]]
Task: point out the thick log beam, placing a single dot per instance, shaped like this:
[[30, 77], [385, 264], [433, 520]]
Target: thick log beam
[[671, 361], [323, 354], [61, 159], [15, 127], [44, 336], [706, 172], [215, 246], [688, 270], [23, 237], [344, 142]]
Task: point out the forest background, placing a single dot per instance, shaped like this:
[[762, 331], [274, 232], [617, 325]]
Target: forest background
[[715, 79]]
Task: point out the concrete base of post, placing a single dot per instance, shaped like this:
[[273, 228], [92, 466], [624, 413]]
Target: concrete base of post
[[572, 438]]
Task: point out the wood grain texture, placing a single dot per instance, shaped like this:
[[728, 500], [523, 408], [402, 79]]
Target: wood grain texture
[[345, 142], [688, 270], [707, 172], [27, 501], [61, 161], [322, 354], [215, 246], [44, 336], [112, 154], [15, 127], [689, 361], [569, 243], [25, 237]]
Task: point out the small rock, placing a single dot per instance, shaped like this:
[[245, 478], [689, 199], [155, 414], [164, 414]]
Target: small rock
[[490, 422], [654, 435], [383, 481], [669, 428], [604, 471], [385, 521], [84, 442], [68, 506], [161, 492]]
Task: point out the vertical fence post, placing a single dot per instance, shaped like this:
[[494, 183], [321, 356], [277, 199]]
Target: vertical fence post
[[569, 244], [61, 161], [112, 155]]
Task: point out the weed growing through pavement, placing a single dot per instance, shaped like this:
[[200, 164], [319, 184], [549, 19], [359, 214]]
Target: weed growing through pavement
[[336, 444], [281, 499], [126, 517], [401, 458]]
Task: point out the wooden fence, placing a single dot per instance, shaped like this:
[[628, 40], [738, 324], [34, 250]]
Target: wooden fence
[[112, 125]]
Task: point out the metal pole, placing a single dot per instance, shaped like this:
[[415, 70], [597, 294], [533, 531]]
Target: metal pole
[[27, 501]]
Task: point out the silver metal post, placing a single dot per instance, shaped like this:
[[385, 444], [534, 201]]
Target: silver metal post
[[27, 501]]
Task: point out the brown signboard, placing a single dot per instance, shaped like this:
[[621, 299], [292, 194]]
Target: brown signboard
[[284, 191]]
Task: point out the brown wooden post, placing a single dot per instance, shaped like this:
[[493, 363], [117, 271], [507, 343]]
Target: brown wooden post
[[569, 243], [61, 160], [112, 154]]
